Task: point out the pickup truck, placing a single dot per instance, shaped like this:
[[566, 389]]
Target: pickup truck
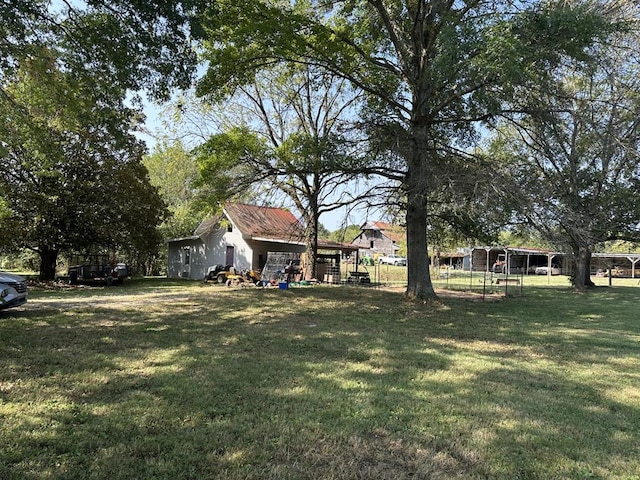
[[392, 259]]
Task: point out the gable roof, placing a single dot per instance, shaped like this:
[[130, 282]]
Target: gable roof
[[393, 232], [207, 225], [376, 225], [265, 223], [257, 223]]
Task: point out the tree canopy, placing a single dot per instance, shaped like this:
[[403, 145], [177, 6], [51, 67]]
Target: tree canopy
[[71, 166], [174, 171], [573, 156], [72, 176], [431, 70], [137, 45]]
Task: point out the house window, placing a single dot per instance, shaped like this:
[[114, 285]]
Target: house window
[[229, 228], [187, 255], [371, 244]]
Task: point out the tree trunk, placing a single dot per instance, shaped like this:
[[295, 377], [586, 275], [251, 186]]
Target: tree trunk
[[310, 265], [582, 280], [419, 284], [310, 216], [48, 261]]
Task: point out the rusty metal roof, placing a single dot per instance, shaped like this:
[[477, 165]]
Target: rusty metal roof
[[338, 246], [265, 223]]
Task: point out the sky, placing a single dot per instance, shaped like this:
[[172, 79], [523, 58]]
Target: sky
[[332, 221]]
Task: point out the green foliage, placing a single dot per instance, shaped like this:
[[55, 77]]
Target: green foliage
[[132, 45], [346, 234], [74, 131], [511, 238], [228, 165], [619, 246], [173, 171], [323, 232], [431, 72], [72, 173]]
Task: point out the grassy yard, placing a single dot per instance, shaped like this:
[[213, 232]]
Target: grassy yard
[[173, 380]]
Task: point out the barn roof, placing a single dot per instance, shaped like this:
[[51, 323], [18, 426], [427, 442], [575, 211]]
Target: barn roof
[[393, 232]]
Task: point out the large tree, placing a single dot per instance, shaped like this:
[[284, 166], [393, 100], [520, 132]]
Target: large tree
[[67, 150], [574, 156], [431, 70], [299, 122], [72, 176]]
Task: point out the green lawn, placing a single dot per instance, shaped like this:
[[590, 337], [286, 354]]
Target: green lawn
[[172, 380]]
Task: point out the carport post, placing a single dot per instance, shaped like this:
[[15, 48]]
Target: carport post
[[633, 261], [506, 266]]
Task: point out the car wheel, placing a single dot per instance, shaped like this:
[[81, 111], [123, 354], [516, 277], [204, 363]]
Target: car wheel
[[222, 278]]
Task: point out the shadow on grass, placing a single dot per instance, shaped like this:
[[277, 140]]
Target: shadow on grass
[[318, 383]]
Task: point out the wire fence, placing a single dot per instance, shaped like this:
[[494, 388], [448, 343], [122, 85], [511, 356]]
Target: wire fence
[[485, 283]]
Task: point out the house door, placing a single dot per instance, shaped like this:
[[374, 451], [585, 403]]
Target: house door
[[186, 262], [230, 255]]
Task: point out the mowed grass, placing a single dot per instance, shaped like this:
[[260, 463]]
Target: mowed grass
[[179, 380]]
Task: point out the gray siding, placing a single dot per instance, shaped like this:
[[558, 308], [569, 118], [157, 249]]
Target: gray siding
[[374, 242], [211, 249]]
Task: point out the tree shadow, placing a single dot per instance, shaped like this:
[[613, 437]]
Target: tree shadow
[[267, 384]]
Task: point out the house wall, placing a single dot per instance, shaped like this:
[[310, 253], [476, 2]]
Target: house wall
[[208, 250], [177, 264], [374, 242], [242, 251], [211, 249]]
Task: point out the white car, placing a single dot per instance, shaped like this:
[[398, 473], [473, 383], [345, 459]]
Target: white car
[[555, 270], [392, 259], [13, 290]]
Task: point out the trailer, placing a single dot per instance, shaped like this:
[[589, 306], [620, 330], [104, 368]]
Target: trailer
[[96, 269]]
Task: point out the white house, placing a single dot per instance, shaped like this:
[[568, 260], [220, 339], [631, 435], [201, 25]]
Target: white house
[[242, 236]]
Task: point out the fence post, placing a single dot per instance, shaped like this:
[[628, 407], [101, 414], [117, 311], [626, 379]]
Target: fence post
[[484, 286]]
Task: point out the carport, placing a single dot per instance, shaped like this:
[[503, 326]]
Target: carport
[[619, 264], [520, 260]]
